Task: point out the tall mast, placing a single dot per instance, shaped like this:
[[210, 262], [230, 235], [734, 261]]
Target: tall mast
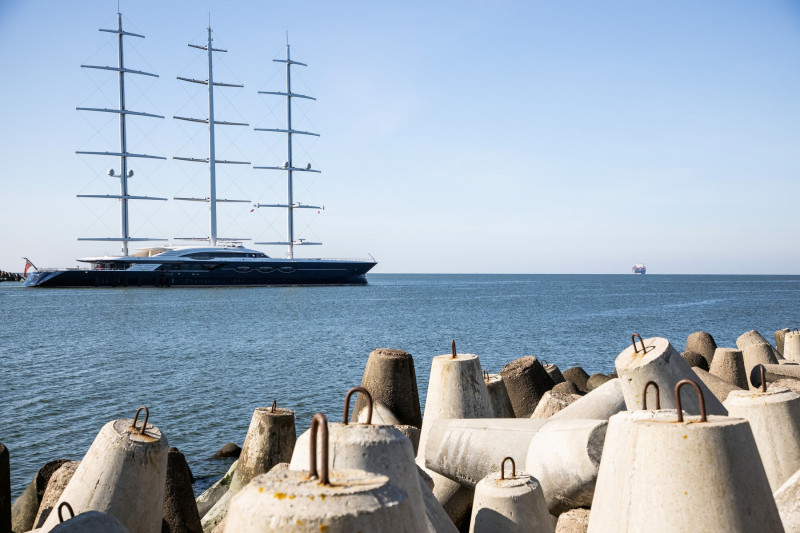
[[123, 153], [289, 167], [211, 160]]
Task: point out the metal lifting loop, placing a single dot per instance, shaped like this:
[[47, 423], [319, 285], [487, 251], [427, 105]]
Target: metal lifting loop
[[503, 468], [319, 421], [274, 405], [700, 399], [644, 395], [453, 347], [69, 507], [633, 340], [136, 418], [366, 393], [485, 375], [795, 330], [544, 362]]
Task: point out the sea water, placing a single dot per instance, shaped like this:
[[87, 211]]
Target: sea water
[[203, 359]]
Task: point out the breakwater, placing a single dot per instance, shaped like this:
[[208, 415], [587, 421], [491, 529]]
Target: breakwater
[[576, 454]]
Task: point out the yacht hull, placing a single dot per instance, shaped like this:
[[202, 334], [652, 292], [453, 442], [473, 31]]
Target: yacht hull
[[289, 272]]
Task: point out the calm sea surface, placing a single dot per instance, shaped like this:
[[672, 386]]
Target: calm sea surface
[[203, 359]]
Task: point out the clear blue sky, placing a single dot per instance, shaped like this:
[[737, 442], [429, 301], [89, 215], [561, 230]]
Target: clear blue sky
[[477, 136]]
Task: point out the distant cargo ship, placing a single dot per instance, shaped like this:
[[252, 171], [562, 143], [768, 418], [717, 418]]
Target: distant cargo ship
[[639, 268]]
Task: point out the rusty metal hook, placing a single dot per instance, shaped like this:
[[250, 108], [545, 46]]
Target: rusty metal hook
[[319, 421], [503, 468], [274, 405], [700, 398], [485, 375], [453, 347], [69, 507], [136, 418], [644, 395], [794, 330], [633, 340], [366, 393], [544, 362]]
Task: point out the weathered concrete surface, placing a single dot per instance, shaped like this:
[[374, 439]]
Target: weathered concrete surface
[[596, 380], [5, 491], [498, 396], [390, 378], [564, 457], [774, 418], [437, 519], [526, 382], [614, 474], [578, 376], [670, 486], [573, 521], [787, 498], [26, 507], [270, 440], [180, 510], [695, 359], [555, 373], [123, 474], [354, 501], [510, 504], [217, 514], [413, 435], [55, 487], [780, 337], [212, 495], [90, 522], [791, 346], [467, 450], [718, 386], [600, 404], [553, 402], [567, 387], [757, 354], [379, 449], [228, 450], [664, 365], [729, 365], [750, 337], [785, 383], [703, 343], [455, 390]]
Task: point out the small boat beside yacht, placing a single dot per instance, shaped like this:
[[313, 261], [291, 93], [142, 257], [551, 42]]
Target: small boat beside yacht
[[218, 261]]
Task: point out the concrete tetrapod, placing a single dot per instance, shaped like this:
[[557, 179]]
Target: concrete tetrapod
[[780, 337], [123, 474], [378, 449], [455, 390], [320, 500], [703, 343], [55, 487], [270, 440], [600, 404], [180, 510], [563, 455], [498, 396], [609, 509], [757, 354], [694, 474], [390, 378], [526, 382], [5, 491], [578, 376], [552, 402], [26, 507], [774, 418], [656, 360], [729, 365], [750, 337], [554, 372], [791, 346], [507, 502], [214, 493]]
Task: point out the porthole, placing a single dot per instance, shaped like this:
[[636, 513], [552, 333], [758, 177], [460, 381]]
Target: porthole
[[243, 269], [287, 269], [265, 270]]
